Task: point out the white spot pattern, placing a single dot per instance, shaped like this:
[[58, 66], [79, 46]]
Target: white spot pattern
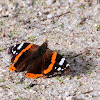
[[14, 46], [20, 46], [14, 52], [59, 69], [67, 65], [62, 69], [62, 61]]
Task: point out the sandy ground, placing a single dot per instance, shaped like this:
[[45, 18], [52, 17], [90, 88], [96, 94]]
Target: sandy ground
[[72, 28]]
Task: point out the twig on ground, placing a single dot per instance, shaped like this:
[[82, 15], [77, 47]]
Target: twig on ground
[[56, 16]]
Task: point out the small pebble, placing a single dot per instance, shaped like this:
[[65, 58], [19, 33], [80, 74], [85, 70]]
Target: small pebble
[[94, 94], [48, 2], [69, 98], [49, 16]]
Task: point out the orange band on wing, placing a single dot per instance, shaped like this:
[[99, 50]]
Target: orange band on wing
[[31, 75], [12, 68], [17, 57], [53, 58]]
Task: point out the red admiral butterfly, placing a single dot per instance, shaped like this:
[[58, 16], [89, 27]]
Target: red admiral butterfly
[[38, 61]]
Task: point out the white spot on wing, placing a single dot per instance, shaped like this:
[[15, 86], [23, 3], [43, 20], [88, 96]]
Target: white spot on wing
[[62, 61], [55, 67], [59, 69], [14, 52], [62, 69], [50, 75], [20, 46], [67, 65], [14, 46]]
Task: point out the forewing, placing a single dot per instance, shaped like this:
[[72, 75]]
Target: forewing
[[20, 61], [16, 49]]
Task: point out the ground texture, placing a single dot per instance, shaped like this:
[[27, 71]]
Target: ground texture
[[72, 28]]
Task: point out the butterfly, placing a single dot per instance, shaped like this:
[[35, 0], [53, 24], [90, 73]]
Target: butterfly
[[37, 61]]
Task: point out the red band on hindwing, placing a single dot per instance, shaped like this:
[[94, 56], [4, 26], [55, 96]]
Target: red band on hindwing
[[31, 75], [50, 67], [12, 68]]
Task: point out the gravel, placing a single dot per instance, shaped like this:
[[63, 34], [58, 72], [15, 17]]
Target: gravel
[[72, 28]]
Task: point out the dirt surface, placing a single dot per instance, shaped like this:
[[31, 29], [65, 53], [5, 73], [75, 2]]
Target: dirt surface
[[72, 28]]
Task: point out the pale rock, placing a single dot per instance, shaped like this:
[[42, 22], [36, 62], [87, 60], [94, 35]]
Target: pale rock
[[49, 2], [49, 16], [69, 98]]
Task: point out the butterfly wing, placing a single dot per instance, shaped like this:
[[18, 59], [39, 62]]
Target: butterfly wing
[[59, 67], [35, 67], [16, 49], [21, 55], [40, 64]]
